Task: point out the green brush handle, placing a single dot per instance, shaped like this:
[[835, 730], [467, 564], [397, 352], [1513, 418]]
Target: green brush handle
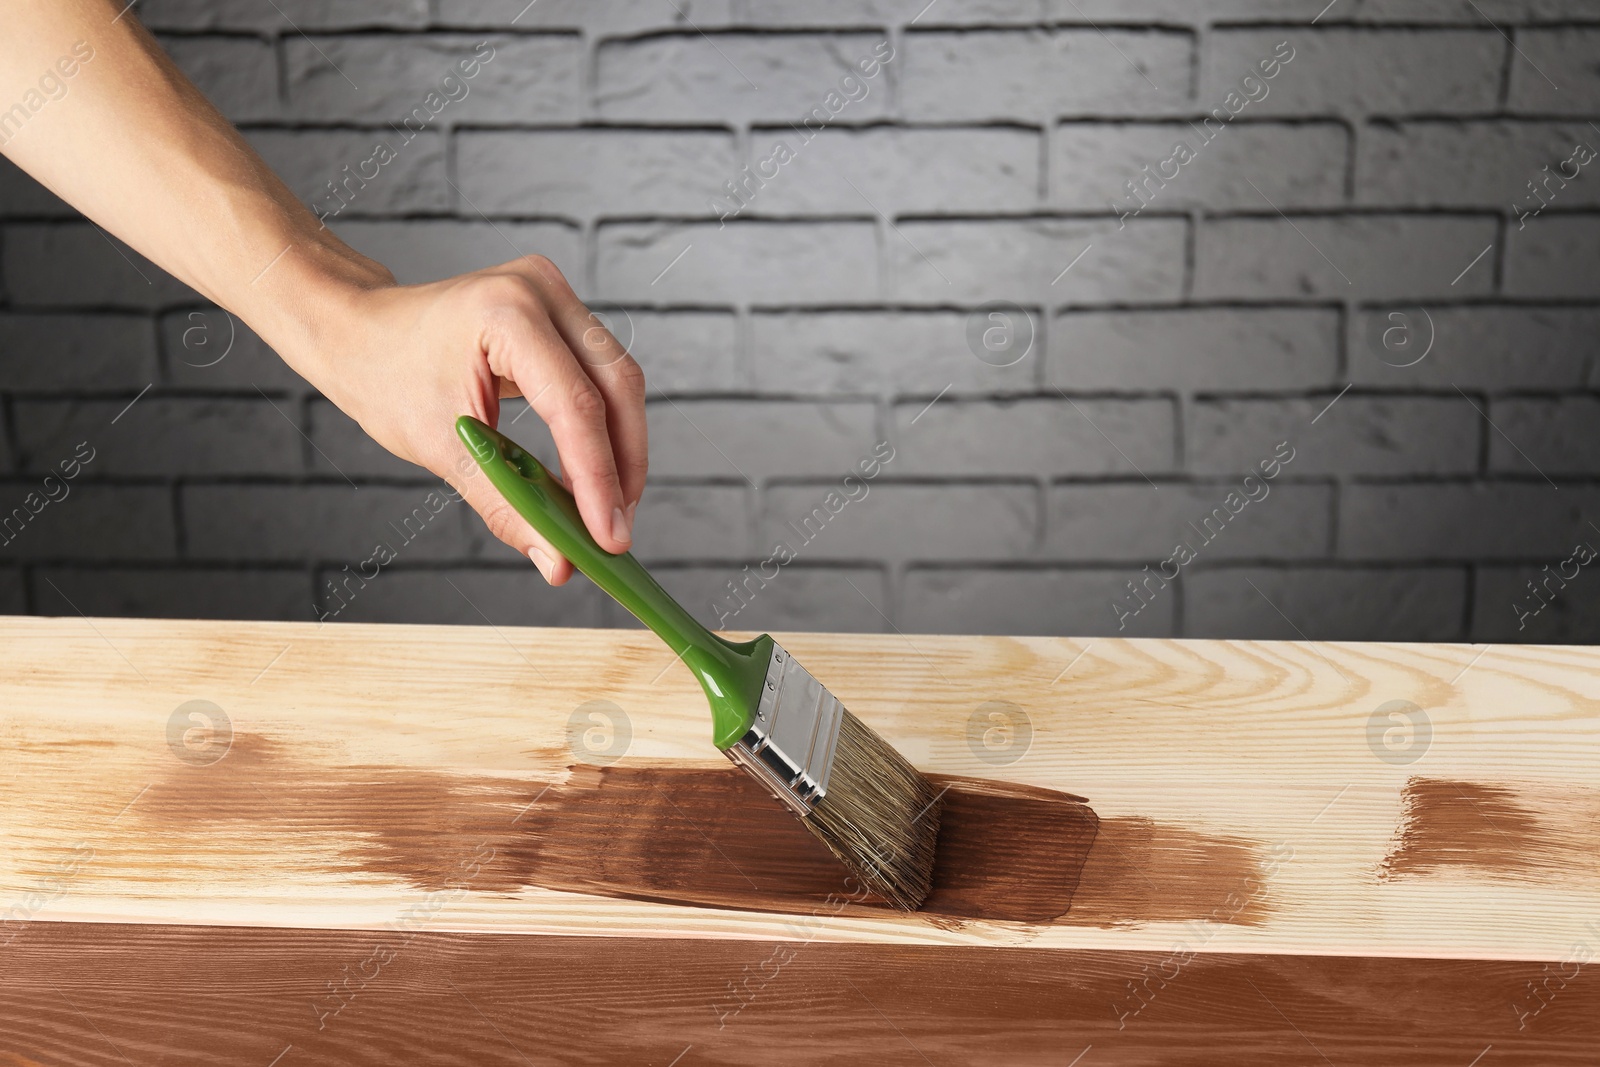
[[731, 673]]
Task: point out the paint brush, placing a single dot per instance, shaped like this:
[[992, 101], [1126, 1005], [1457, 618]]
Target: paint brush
[[873, 810]]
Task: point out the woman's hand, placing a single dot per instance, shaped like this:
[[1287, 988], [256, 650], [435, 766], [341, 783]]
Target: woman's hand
[[133, 145], [405, 361]]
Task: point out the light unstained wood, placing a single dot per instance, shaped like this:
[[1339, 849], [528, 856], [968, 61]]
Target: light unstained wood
[[1265, 741]]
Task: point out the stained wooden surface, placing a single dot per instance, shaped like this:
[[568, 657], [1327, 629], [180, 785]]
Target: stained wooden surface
[[1236, 785], [79, 995]]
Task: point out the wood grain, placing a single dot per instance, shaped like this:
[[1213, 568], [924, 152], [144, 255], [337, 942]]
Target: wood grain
[[78, 995], [1193, 756]]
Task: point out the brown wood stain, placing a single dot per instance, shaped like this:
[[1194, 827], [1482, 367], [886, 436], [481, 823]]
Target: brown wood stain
[[1505, 830], [92, 995], [711, 837], [1142, 871]]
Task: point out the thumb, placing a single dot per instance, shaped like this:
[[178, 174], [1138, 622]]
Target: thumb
[[504, 522]]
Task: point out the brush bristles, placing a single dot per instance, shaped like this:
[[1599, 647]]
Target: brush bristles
[[880, 816]]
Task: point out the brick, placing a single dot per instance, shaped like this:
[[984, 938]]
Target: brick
[[904, 522], [587, 174], [1325, 604], [1018, 74], [66, 456], [1133, 521], [1023, 260], [422, 250], [1489, 347], [740, 262], [1038, 437], [1523, 520], [1032, 600], [692, 522], [1194, 348], [237, 74], [1557, 611], [161, 436], [504, 596], [66, 352], [524, 78], [832, 323], [1293, 11], [75, 264], [1092, 162], [894, 171], [679, 351], [341, 448], [1554, 435], [22, 197], [281, 16], [207, 348], [756, 440], [1383, 257], [99, 522], [1554, 257], [853, 13], [1359, 71], [798, 598], [13, 593], [874, 13], [682, 351], [1083, 12], [886, 353], [1357, 435], [328, 522], [1553, 71], [736, 77], [308, 160], [613, 16], [1472, 164], [190, 593]]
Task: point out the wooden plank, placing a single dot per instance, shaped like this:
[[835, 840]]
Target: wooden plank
[[79, 995], [1234, 794]]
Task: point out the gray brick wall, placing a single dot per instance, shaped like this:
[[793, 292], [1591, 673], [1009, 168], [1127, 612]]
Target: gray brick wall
[[1338, 263]]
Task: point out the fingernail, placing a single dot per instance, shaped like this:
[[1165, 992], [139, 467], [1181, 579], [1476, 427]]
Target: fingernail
[[542, 561], [621, 526]]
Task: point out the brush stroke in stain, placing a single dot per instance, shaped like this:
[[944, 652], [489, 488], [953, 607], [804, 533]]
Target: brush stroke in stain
[[1506, 830], [707, 837], [1142, 871], [711, 837]]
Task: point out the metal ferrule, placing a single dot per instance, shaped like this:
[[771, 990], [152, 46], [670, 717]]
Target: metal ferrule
[[789, 746]]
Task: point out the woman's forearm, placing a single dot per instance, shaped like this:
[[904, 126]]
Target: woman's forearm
[[129, 141], [125, 138]]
